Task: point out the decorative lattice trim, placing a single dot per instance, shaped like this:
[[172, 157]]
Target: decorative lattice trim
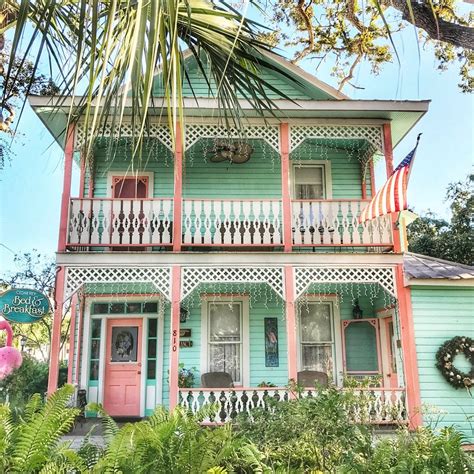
[[372, 133], [192, 277], [270, 133], [77, 277], [306, 276], [158, 131]]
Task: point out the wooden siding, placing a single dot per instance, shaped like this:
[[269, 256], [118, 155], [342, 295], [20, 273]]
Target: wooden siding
[[200, 87], [440, 314], [160, 163]]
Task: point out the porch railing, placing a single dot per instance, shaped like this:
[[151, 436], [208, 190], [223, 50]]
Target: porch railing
[[371, 405], [335, 223], [120, 222], [246, 222]]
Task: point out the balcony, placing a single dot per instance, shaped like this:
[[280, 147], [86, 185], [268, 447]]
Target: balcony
[[137, 224]]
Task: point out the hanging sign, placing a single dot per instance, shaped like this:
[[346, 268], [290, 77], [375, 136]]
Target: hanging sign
[[22, 305]]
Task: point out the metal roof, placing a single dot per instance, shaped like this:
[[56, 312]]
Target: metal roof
[[418, 266]]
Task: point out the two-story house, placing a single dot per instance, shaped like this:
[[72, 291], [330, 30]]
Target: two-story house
[[237, 252]]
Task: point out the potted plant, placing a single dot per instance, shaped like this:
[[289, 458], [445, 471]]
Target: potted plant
[[186, 376]]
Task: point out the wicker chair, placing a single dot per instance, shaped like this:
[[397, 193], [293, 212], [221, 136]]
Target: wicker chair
[[216, 380], [309, 378]]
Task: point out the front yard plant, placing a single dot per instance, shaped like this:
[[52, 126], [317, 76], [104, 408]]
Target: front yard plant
[[296, 436]]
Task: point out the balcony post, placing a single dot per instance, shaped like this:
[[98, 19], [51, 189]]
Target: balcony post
[[66, 196], [174, 342], [291, 323], [285, 184], [56, 332], [410, 365], [388, 153], [178, 189]]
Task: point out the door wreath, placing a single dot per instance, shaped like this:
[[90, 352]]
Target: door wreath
[[445, 361]]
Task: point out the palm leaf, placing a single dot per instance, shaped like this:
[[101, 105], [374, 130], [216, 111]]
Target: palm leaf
[[116, 47]]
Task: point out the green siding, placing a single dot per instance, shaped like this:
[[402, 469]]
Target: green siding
[[440, 314], [285, 86], [260, 177]]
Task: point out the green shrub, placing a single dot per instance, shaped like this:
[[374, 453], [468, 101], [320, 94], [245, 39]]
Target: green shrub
[[421, 452], [30, 378], [306, 434]]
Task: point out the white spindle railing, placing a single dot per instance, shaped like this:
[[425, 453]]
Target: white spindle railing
[[335, 222], [372, 405], [120, 222], [232, 222]]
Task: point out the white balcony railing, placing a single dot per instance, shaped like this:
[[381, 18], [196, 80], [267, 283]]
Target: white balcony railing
[[232, 222], [371, 405], [335, 223], [120, 222]]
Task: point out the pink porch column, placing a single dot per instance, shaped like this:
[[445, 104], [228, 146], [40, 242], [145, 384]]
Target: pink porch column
[[178, 189], [66, 196], [56, 333], [291, 323], [388, 153], [410, 365], [174, 342], [285, 184], [72, 325]]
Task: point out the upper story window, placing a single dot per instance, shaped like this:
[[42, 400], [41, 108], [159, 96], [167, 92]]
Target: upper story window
[[123, 185], [312, 181]]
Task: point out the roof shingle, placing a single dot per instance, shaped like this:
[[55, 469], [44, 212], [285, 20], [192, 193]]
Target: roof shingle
[[422, 267]]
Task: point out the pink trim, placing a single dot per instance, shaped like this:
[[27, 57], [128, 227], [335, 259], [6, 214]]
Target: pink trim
[[144, 179], [72, 325], [178, 189], [285, 184], [56, 333], [229, 245], [82, 176], [388, 153], [410, 364], [331, 200], [388, 245], [110, 244], [291, 323], [66, 196], [174, 335]]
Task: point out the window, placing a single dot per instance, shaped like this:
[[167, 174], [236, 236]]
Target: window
[[317, 351], [224, 329], [309, 182]]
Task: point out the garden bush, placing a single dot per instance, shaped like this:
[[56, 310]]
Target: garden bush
[[299, 436], [30, 378]]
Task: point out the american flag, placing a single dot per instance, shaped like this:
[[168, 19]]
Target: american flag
[[392, 197]]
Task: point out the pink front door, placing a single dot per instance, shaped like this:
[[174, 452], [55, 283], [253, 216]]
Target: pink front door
[[123, 367]]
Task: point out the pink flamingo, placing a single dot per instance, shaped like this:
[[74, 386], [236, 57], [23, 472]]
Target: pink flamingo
[[10, 357]]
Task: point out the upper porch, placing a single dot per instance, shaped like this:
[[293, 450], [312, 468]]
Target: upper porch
[[276, 186]]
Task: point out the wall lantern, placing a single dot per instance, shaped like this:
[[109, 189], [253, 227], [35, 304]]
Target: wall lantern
[[357, 311], [183, 314], [23, 343]]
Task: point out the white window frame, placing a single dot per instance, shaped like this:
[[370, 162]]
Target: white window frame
[[327, 176], [206, 300], [129, 174], [336, 330]]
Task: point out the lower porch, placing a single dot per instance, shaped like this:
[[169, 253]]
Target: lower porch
[[347, 332]]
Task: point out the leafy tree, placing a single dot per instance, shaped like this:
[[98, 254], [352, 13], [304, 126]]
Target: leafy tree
[[454, 240], [350, 32], [39, 273]]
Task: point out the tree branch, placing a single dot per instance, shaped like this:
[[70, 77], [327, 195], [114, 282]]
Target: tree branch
[[436, 28]]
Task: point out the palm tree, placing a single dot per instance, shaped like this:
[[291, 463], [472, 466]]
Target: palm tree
[[108, 51]]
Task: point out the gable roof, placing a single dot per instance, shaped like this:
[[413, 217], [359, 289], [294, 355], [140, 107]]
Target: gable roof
[[418, 266]]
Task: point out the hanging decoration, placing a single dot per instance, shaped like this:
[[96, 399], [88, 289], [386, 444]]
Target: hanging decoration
[[10, 357], [445, 361], [235, 152]]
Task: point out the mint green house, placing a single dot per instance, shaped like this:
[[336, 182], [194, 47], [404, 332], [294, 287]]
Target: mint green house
[[224, 266]]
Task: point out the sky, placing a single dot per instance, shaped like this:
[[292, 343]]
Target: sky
[[31, 184]]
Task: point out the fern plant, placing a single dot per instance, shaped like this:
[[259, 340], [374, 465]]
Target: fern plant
[[31, 441]]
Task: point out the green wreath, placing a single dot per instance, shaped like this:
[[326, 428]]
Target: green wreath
[[445, 361]]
